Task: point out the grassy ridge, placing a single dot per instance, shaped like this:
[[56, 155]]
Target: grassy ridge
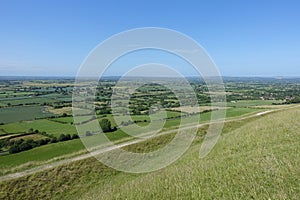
[[257, 160]]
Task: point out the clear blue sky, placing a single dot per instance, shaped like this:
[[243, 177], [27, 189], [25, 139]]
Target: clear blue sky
[[245, 38]]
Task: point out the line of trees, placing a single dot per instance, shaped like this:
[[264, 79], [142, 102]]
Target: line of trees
[[16, 146]]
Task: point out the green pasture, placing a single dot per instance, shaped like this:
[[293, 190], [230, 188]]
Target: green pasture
[[46, 125], [22, 113]]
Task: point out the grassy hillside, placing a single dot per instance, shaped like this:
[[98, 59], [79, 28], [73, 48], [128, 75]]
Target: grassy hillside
[[254, 159], [260, 160]]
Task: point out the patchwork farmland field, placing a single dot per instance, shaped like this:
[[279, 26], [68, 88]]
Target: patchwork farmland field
[[22, 113], [46, 125]]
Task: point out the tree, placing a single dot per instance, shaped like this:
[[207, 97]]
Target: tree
[[31, 143], [47, 140], [105, 125], [53, 140], [62, 137], [42, 142], [4, 143], [14, 149], [25, 146], [75, 136], [68, 137]]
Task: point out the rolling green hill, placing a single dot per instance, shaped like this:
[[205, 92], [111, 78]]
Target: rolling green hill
[[256, 158]]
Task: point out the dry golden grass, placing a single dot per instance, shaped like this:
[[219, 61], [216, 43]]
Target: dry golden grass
[[60, 111]]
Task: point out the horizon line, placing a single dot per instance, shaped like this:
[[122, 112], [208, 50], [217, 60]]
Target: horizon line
[[114, 76]]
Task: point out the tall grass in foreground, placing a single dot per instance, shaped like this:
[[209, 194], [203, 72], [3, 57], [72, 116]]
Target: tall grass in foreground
[[259, 159]]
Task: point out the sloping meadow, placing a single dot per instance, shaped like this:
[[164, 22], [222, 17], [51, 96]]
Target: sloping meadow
[[256, 158]]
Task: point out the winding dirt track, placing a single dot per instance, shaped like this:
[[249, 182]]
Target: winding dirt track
[[110, 148]]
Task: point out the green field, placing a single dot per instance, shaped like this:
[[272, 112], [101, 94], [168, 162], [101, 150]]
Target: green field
[[64, 120], [46, 125], [27, 100], [141, 118], [42, 153], [205, 117], [22, 113], [11, 94]]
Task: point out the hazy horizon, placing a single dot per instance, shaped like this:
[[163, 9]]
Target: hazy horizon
[[2, 77]]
